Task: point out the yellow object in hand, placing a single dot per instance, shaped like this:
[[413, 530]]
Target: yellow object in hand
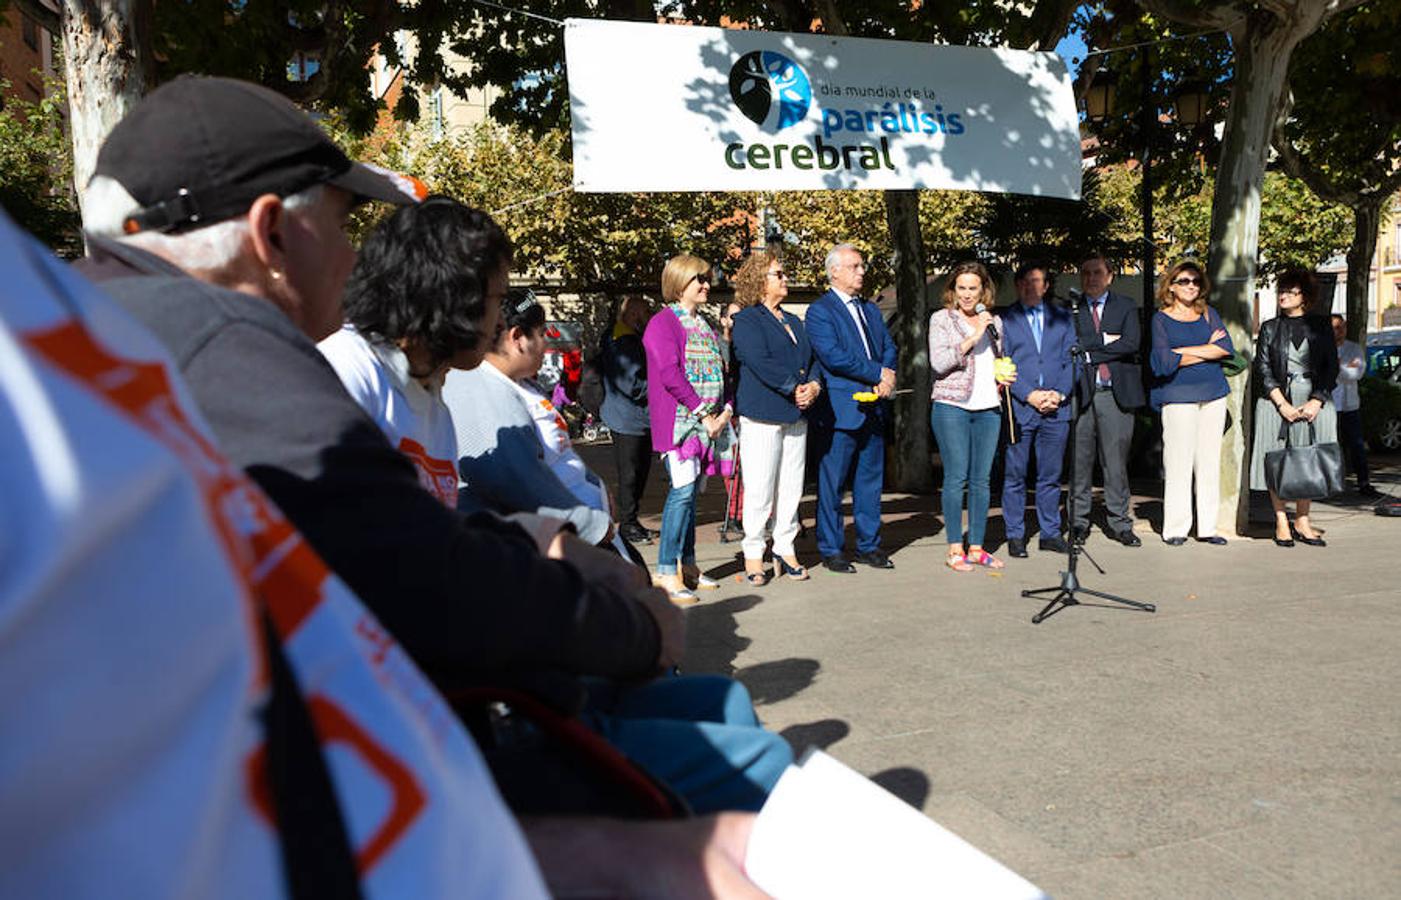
[[865, 396], [1003, 368]]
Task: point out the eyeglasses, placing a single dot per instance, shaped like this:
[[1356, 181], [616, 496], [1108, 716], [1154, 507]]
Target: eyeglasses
[[780, 274], [1183, 282], [699, 278]]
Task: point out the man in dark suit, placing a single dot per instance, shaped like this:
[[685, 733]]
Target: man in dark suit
[[1109, 389], [1038, 336], [857, 355]]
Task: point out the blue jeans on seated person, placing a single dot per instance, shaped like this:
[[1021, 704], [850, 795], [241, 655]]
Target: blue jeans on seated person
[[967, 442], [696, 733], [678, 535]]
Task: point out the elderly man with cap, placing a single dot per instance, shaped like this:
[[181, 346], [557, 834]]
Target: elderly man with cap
[[216, 217]]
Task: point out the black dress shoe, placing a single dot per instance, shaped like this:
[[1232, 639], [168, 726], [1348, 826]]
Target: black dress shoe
[[1312, 542], [1215, 540], [1367, 490], [838, 564], [635, 534], [1052, 545], [1016, 547], [1127, 538], [1079, 533], [875, 559], [1175, 542]]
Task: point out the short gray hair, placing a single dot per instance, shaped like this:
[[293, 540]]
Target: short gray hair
[[834, 254], [107, 204]]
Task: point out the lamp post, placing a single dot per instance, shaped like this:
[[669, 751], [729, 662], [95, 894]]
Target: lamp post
[[1189, 106]]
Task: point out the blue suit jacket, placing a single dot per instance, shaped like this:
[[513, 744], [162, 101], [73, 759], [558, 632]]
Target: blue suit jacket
[[771, 365], [1044, 369], [842, 356]]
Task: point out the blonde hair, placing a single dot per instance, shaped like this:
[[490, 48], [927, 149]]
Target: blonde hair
[[968, 268], [1165, 296], [678, 273], [752, 278]]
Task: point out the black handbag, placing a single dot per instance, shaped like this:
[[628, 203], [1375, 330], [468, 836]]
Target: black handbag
[[1304, 473]]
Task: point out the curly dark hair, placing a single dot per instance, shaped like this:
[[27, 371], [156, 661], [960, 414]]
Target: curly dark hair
[[752, 278], [422, 276]]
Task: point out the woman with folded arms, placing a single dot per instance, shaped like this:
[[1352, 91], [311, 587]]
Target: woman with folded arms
[[690, 418], [777, 385], [1189, 343], [1296, 366], [966, 413]]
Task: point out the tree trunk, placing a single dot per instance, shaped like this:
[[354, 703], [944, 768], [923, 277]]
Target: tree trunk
[[106, 62], [910, 469], [1366, 222], [1262, 49]]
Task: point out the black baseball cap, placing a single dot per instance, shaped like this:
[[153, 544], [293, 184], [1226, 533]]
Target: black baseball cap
[[198, 150]]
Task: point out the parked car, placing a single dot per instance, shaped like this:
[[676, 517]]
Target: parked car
[[1380, 390], [564, 356]]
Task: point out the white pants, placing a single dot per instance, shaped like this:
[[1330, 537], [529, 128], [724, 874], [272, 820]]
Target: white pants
[[772, 456], [1192, 445]]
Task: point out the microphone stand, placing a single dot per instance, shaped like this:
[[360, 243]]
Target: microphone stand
[[1064, 594]]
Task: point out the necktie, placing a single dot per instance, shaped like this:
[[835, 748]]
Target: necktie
[[1036, 326], [1103, 367], [856, 304]]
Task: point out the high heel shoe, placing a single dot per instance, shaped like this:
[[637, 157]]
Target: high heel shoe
[[795, 573], [1283, 542], [1312, 542]]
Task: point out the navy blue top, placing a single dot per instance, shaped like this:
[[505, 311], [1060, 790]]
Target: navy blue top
[[771, 364], [1176, 383]]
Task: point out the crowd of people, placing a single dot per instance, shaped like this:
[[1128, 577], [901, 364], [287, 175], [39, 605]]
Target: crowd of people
[[354, 616], [1008, 384]]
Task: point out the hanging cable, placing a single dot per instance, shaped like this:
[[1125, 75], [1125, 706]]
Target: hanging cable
[[519, 12], [510, 206], [1168, 39]]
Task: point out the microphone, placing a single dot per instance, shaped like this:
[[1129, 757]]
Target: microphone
[[992, 329], [1076, 295]]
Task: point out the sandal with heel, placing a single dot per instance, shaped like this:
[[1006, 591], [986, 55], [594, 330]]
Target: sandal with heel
[[793, 573], [958, 562]]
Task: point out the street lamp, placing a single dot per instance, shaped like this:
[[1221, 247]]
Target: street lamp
[[1099, 99], [1189, 105]]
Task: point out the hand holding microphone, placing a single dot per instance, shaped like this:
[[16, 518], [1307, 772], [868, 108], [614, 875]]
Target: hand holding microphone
[[985, 320]]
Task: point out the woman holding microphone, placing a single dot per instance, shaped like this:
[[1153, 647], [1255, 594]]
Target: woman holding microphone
[[777, 384], [964, 340]]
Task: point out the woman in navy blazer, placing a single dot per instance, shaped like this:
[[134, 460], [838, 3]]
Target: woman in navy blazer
[[777, 383]]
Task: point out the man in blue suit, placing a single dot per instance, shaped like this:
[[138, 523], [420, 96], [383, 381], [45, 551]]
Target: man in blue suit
[[857, 355], [1038, 336]]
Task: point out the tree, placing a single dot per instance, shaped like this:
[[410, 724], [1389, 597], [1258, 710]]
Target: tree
[[35, 171], [1264, 35], [1341, 133]]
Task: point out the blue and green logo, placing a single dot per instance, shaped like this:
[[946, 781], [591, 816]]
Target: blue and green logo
[[770, 89]]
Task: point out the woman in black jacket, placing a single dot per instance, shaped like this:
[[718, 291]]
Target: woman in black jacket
[[1296, 366]]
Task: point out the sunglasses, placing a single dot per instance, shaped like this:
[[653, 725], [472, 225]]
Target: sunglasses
[[1186, 281], [700, 278]]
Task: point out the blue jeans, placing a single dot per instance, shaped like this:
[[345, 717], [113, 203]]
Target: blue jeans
[[967, 442], [697, 733], [678, 538]]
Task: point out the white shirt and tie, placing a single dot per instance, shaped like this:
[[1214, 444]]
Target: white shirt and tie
[[1096, 313], [853, 308]]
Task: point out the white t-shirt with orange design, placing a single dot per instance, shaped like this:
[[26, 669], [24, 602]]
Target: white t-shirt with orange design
[[133, 562], [377, 376]]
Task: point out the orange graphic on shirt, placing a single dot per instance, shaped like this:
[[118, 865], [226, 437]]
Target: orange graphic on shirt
[[561, 426], [438, 476], [334, 726], [274, 562]]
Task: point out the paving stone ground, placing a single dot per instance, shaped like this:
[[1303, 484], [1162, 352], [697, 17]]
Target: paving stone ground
[[1242, 741]]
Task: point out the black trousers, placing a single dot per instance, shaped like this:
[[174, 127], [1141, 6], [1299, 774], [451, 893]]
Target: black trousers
[[1354, 445], [633, 455]]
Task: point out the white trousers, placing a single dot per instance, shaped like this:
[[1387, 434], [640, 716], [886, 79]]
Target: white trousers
[[1192, 446], [772, 456]]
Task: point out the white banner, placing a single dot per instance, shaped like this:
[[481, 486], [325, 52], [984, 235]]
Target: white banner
[[678, 108]]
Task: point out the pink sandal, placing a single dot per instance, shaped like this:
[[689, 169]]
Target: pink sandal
[[983, 558], [958, 562]]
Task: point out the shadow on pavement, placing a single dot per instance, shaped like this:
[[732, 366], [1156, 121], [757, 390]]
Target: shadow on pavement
[[910, 785], [773, 682], [820, 734]]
